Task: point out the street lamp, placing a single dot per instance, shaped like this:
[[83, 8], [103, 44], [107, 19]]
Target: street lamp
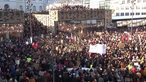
[[132, 8], [29, 9]]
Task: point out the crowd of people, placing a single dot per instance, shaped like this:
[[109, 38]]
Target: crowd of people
[[68, 8], [37, 27], [65, 57]]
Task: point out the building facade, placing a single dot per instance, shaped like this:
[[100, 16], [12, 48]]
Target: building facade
[[128, 9], [124, 12], [36, 5], [123, 9], [79, 16]]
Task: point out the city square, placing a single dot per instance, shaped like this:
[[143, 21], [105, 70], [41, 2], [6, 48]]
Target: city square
[[72, 41]]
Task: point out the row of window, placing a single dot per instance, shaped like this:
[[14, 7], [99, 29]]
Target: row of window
[[129, 8], [6, 6], [128, 14]]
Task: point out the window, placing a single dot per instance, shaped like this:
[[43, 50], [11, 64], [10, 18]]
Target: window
[[144, 7], [102, 7], [40, 8], [127, 8], [128, 1], [144, 13], [117, 8], [137, 7], [137, 13], [21, 7], [122, 8], [117, 14], [34, 8], [131, 13], [123, 2], [144, 0], [126, 14], [6, 6], [122, 14], [138, 1]]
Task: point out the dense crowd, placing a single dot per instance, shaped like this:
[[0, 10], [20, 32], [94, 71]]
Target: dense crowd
[[37, 27], [65, 58], [68, 8], [71, 27]]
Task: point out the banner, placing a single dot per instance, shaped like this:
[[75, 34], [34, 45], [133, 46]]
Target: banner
[[98, 48], [126, 36], [139, 38], [121, 45]]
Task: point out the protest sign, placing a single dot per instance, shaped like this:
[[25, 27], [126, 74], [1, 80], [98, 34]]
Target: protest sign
[[17, 61], [121, 45], [98, 48]]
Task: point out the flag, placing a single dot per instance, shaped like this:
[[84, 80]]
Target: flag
[[139, 39], [73, 37], [29, 60], [91, 66], [35, 45], [126, 37]]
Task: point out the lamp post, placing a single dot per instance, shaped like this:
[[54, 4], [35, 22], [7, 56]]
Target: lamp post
[[29, 10], [132, 8]]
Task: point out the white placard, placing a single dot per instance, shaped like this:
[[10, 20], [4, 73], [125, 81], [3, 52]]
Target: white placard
[[98, 48], [17, 61]]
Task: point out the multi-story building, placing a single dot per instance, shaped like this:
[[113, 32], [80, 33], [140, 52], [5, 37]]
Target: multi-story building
[[127, 9], [36, 5], [122, 9], [124, 12]]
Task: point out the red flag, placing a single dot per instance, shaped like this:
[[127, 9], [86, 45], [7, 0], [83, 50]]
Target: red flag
[[35, 45], [74, 38], [122, 37], [126, 37]]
